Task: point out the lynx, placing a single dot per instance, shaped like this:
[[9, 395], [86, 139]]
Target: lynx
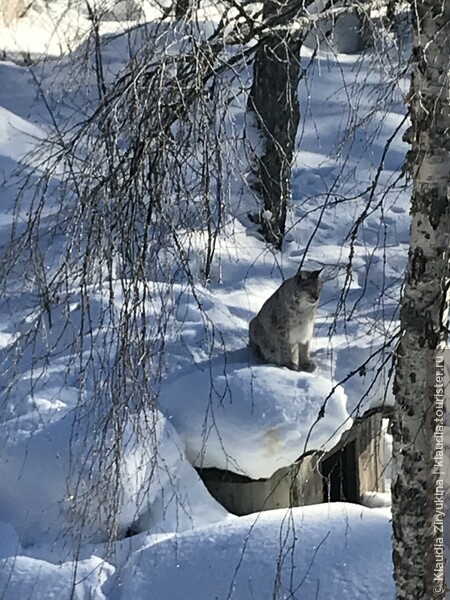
[[282, 330]]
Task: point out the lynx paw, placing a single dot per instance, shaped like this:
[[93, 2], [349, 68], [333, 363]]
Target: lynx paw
[[308, 367]]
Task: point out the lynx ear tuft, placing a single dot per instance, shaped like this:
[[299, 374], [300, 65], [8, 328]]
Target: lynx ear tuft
[[316, 274], [309, 275]]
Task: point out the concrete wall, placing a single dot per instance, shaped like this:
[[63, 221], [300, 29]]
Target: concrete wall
[[370, 452], [366, 434], [348, 34], [303, 483], [298, 485]]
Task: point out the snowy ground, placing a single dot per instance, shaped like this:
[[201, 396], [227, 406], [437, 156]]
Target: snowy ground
[[218, 407]]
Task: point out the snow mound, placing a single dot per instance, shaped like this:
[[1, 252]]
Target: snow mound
[[75, 490], [17, 136], [338, 551], [252, 419], [24, 577]]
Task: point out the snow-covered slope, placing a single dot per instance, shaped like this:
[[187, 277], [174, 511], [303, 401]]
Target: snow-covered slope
[[217, 406], [155, 488], [341, 551], [25, 577]]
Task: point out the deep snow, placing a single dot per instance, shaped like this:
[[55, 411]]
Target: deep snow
[[220, 407], [338, 552]]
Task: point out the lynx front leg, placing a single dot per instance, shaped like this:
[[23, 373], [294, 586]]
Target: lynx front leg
[[294, 357], [288, 356], [304, 363]]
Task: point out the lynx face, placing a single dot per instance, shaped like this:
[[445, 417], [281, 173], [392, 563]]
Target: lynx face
[[308, 286]]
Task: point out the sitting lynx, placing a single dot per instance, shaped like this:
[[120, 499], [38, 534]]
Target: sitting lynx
[[282, 330]]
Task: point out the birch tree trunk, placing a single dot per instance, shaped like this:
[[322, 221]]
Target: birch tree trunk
[[10, 10], [417, 422]]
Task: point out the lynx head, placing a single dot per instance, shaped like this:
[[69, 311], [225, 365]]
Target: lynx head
[[310, 284]]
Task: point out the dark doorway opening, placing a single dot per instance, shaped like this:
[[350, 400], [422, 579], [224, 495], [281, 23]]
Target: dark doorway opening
[[340, 483]]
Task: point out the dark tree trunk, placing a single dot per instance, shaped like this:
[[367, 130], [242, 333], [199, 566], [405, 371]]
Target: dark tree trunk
[[273, 99], [390, 11], [183, 8]]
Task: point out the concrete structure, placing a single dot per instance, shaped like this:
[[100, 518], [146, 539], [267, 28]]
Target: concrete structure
[[354, 466]]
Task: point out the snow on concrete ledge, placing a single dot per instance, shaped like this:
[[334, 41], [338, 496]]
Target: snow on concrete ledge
[[252, 419]]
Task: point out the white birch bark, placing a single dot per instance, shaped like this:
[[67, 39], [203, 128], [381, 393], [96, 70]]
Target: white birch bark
[[424, 307], [10, 10]]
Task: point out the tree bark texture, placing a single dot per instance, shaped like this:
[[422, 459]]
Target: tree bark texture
[[11, 10], [183, 8], [424, 311], [273, 99]]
